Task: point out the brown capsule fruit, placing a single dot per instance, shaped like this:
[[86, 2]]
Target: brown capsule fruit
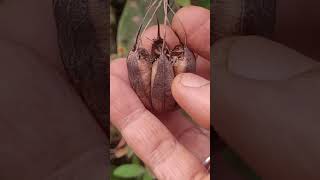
[[183, 60], [139, 70], [151, 74]]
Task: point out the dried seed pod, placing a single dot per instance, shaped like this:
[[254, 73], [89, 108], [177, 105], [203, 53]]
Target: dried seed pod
[[139, 71], [151, 75], [139, 66], [156, 48], [183, 60], [162, 77]]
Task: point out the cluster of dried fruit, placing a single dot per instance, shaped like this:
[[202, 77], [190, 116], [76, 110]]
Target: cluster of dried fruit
[[151, 74]]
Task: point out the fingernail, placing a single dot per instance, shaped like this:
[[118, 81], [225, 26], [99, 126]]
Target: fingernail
[[192, 80]]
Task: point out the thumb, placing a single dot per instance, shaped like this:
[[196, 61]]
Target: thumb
[[255, 105], [192, 93]]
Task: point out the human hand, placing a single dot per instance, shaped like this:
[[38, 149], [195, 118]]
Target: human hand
[[266, 102], [169, 144]]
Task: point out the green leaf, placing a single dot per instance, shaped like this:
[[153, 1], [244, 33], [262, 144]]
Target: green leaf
[[130, 152], [135, 159], [112, 177], [147, 176], [131, 17], [183, 2], [129, 171], [202, 3]]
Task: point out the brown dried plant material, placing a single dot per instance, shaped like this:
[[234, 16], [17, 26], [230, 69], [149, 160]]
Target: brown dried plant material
[[139, 70], [184, 60], [151, 74]]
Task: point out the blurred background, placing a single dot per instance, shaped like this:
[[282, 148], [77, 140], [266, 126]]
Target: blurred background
[[126, 17]]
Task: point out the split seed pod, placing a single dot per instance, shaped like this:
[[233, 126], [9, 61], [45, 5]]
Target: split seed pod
[[151, 74]]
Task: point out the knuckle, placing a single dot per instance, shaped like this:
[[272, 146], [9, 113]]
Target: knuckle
[[163, 149], [131, 118]]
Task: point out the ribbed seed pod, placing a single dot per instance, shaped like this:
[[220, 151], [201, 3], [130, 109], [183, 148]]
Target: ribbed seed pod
[[151, 74]]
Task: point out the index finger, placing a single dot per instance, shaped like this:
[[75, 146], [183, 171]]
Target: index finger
[[194, 22]]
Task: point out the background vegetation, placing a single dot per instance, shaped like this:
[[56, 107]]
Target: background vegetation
[[125, 17]]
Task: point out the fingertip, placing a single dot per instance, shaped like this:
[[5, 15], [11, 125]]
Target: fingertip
[[194, 22], [117, 64], [118, 67], [192, 93]]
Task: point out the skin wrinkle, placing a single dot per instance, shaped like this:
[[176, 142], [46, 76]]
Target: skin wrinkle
[[199, 175], [183, 135], [137, 113], [189, 129], [155, 158], [198, 86], [162, 150], [196, 132], [176, 171], [170, 146], [129, 119]]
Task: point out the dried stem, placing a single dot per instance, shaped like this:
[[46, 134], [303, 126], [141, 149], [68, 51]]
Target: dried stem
[[185, 34], [137, 37], [165, 9], [159, 4], [154, 2], [148, 9]]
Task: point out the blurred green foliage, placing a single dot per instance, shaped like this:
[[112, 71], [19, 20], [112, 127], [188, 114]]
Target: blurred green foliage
[[131, 17], [129, 171], [183, 2], [202, 3]]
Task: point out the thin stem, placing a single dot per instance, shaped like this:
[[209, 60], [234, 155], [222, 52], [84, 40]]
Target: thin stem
[[152, 16], [136, 43], [165, 4], [154, 2], [148, 9], [185, 34]]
